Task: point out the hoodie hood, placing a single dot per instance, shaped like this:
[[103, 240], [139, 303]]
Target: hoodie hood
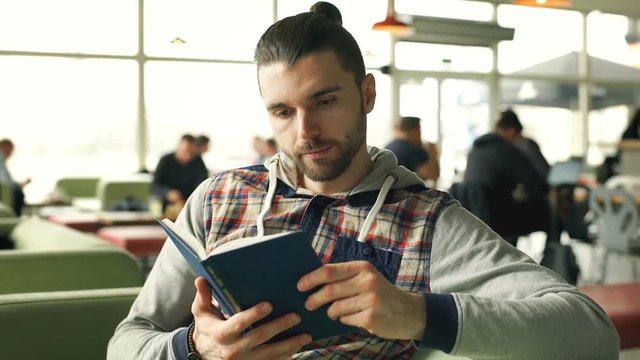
[[384, 164]]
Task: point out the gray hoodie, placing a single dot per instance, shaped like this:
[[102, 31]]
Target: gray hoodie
[[485, 299]]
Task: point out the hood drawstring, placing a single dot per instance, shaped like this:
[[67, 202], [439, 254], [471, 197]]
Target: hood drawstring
[[266, 206], [371, 216], [390, 179]]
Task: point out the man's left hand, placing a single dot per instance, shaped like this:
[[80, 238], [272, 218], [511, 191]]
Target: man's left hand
[[360, 296]]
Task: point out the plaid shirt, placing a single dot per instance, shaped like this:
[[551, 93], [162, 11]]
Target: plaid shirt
[[398, 243]]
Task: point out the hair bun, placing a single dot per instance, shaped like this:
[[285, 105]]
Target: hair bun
[[327, 9]]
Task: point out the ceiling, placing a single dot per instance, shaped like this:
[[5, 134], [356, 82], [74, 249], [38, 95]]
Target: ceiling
[[623, 7]]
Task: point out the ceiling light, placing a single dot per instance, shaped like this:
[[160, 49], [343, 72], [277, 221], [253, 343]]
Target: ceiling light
[[391, 24], [543, 3]]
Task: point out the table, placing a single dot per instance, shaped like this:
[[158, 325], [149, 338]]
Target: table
[[622, 303], [139, 240], [86, 222]]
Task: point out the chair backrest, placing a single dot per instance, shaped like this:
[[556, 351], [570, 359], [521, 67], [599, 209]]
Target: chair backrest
[[74, 187], [630, 183], [111, 192], [6, 193], [617, 217]]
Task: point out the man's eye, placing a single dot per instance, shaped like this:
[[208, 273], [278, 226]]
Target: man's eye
[[326, 102], [282, 114]]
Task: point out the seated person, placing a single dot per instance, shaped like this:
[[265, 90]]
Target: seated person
[[178, 174], [515, 190], [6, 150], [411, 153]]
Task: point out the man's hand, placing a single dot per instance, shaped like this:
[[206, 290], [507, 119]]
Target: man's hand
[[361, 296], [217, 338], [174, 196]]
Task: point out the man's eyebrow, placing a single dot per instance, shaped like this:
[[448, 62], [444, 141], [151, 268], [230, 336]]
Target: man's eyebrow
[[315, 95], [325, 91]]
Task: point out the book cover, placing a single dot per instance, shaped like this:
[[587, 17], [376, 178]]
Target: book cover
[[247, 271]]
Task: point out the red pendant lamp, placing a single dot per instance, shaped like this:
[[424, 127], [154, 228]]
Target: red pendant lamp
[[391, 24]]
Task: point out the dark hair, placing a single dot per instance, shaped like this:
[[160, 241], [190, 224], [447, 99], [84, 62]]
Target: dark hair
[[188, 138], [202, 139], [408, 123], [300, 35], [272, 142], [509, 120], [6, 142]]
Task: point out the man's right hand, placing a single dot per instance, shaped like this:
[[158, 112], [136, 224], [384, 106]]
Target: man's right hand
[[217, 338]]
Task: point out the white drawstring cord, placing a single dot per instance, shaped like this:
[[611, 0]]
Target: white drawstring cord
[[388, 182], [266, 206]]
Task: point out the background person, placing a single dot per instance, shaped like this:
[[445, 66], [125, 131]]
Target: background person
[[7, 148]]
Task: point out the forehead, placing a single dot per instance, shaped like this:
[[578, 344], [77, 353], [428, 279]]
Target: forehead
[[309, 73]]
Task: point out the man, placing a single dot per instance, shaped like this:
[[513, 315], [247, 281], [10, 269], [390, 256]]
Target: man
[[411, 153], [202, 144], [423, 273], [179, 173], [6, 150], [515, 191], [510, 128]]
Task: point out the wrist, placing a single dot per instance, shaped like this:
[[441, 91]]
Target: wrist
[[191, 344], [418, 317]]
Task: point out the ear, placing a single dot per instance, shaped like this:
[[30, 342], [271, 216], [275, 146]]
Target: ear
[[368, 89]]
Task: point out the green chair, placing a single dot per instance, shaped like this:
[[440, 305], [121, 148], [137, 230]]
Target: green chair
[[62, 324], [6, 193], [78, 187], [112, 192]]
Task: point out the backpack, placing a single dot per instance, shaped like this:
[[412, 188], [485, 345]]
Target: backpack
[[561, 259]]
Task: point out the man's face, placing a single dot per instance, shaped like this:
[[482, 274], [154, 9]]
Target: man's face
[[186, 151], [317, 112]]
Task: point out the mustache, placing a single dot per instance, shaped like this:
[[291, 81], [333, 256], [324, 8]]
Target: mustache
[[313, 145]]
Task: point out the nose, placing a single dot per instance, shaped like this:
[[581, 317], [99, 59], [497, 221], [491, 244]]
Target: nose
[[307, 125]]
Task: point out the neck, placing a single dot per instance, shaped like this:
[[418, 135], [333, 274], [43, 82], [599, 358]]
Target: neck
[[361, 165]]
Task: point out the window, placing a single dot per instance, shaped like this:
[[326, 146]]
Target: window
[[74, 26], [226, 30], [198, 98], [452, 9], [541, 35], [68, 117], [438, 57]]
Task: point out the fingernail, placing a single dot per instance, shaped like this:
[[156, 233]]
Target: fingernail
[[266, 307], [294, 319], [306, 339]]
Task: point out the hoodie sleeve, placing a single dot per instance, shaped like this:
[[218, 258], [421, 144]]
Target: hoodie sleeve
[[507, 306], [156, 324]]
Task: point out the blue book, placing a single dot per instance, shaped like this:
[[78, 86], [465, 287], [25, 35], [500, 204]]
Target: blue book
[[245, 272]]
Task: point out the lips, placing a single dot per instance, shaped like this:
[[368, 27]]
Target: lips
[[316, 153]]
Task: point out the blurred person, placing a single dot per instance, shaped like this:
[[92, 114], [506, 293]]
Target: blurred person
[[178, 173], [632, 131], [7, 148], [270, 148], [411, 153], [202, 144], [515, 190], [405, 265], [510, 128]]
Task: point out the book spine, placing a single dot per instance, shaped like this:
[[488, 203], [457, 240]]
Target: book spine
[[228, 303]]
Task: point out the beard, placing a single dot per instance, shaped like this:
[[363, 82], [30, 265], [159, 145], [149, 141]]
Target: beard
[[322, 170]]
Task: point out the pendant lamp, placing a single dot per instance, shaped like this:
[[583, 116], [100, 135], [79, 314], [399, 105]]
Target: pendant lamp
[[391, 24]]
